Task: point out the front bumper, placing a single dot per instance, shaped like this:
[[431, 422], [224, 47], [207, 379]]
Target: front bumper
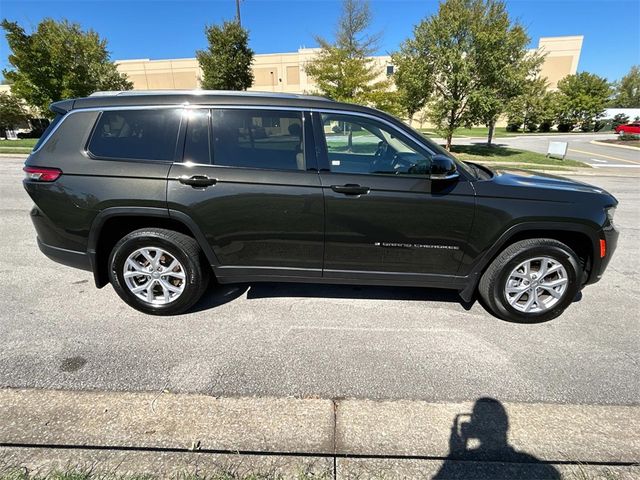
[[610, 236]]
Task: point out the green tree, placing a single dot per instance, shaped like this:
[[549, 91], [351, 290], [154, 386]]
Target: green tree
[[58, 60], [466, 62], [627, 90], [408, 79], [226, 64], [343, 70], [581, 101], [619, 119], [534, 108], [502, 62], [12, 112]]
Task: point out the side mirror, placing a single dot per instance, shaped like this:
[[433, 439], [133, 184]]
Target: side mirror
[[443, 168]]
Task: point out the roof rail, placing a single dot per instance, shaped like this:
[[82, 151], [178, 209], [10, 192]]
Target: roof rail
[[128, 93]]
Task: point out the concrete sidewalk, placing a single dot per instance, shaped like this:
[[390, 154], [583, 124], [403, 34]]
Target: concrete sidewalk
[[165, 434]]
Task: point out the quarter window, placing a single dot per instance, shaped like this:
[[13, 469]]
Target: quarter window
[[258, 139], [359, 145], [136, 134]]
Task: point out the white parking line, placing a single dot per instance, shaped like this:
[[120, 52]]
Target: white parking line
[[599, 161]]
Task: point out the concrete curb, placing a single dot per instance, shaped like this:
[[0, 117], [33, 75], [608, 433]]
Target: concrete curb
[[627, 147], [165, 420], [41, 427]]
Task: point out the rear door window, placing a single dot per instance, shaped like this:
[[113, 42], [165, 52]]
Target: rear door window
[[136, 134], [268, 139]]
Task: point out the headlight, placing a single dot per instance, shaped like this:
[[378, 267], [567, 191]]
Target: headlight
[[610, 213]]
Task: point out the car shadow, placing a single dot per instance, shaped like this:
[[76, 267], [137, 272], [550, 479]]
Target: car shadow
[[479, 448], [217, 294]]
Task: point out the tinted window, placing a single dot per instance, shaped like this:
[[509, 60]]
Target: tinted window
[[258, 139], [359, 145], [48, 130], [138, 134], [196, 144]]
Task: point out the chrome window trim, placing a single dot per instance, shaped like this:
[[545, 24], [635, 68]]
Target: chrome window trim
[[241, 107]]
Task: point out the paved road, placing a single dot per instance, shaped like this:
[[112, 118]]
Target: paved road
[[58, 331], [580, 148]]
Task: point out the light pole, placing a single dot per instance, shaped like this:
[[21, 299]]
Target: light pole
[[238, 12]]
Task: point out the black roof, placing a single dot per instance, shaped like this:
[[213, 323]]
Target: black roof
[[197, 97]]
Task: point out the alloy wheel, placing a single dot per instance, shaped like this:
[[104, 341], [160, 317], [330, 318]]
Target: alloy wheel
[[154, 275], [536, 285]]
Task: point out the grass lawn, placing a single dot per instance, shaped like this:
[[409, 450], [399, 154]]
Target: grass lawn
[[511, 157], [17, 146], [473, 132]]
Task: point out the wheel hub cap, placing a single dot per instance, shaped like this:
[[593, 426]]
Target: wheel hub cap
[[536, 285], [154, 276]]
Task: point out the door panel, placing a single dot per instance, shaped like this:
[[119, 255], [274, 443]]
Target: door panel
[[382, 213], [258, 220], [255, 218], [406, 225]]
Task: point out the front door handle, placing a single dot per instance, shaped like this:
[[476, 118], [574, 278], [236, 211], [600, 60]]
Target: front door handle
[[350, 189], [198, 181]]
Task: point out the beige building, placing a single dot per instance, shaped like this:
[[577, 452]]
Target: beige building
[[272, 72], [284, 72], [562, 55]]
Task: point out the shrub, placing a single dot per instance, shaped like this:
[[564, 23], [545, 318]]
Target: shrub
[[628, 137], [619, 119], [544, 127]]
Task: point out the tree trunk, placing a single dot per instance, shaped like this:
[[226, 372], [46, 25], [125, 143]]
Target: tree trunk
[[449, 137], [492, 127]]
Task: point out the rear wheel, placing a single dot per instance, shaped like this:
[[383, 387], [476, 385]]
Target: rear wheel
[[158, 271], [531, 281]]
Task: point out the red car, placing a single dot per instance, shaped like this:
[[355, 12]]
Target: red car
[[633, 128]]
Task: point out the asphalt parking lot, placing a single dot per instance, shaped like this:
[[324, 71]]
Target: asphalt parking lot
[[580, 147], [58, 331]]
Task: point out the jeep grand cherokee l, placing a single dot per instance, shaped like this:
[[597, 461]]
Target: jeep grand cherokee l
[[157, 192]]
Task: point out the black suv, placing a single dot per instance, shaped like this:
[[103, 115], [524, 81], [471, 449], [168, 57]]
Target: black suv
[[156, 192]]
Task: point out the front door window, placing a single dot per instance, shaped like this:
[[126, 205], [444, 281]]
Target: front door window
[[360, 145]]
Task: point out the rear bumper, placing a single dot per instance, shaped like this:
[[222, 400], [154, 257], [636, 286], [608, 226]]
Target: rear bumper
[[70, 258]]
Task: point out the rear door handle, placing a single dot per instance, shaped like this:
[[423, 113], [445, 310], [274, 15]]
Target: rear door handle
[[198, 181], [350, 189]]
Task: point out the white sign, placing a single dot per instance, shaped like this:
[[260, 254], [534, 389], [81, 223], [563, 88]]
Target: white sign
[[558, 149]]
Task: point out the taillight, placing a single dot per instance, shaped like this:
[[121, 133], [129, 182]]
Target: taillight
[[603, 248], [42, 174]]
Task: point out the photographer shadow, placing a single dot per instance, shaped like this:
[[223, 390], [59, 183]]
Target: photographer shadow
[[491, 457]]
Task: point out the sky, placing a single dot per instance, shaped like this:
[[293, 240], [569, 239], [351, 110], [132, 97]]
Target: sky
[[163, 29]]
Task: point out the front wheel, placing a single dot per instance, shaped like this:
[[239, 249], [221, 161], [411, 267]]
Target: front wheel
[[531, 281], [158, 271]]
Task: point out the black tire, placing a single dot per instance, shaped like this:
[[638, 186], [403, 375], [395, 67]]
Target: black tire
[[493, 281], [182, 247]]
